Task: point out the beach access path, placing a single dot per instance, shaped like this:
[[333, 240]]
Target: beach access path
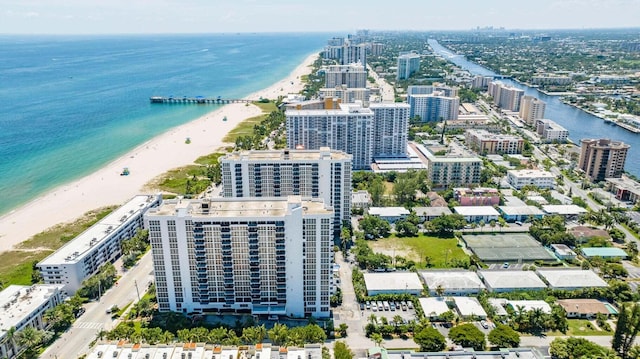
[[107, 187]]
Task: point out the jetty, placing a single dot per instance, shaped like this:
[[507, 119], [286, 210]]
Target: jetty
[[197, 100]]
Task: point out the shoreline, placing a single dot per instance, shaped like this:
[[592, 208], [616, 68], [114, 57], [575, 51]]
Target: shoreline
[[146, 162]]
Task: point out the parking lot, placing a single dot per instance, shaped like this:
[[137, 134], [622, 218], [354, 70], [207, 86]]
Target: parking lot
[[407, 315]]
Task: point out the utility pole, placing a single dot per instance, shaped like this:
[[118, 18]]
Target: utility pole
[[135, 282]]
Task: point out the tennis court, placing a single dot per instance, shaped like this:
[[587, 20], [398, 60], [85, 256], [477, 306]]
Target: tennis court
[[507, 247]]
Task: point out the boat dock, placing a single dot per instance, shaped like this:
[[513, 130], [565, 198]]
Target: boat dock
[[196, 100]]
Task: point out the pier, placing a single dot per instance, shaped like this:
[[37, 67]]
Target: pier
[[197, 100]]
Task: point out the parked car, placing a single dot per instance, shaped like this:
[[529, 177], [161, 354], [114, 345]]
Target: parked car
[[361, 306], [484, 324]]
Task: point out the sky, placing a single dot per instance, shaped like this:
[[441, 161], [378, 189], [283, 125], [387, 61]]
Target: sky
[[216, 16]]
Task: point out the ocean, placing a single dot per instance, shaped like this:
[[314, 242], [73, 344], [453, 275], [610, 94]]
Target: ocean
[[71, 104]]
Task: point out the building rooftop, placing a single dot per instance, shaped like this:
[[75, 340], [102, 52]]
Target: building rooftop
[[469, 306], [453, 155], [605, 252], [434, 306], [324, 153], [19, 301], [531, 174], [511, 279], [586, 306], [239, 207], [476, 211], [388, 211], [571, 278], [202, 351], [344, 110], [563, 249], [521, 210], [76, 249], [452, 280], [485, 135], [431, 211], [528, 305], [397, 281], [498, 304], [563, 209], [625, 183]]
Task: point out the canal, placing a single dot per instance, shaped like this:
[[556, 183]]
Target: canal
[[579, 123]]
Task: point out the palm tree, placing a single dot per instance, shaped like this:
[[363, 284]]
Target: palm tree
[[167, 337], [377, 339], [217, 335], [440, 290], [373, 319], [397, 320], [29, 338], [278, 334]]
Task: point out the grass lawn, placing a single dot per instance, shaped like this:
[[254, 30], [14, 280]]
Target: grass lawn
[[388, 188], [266, 107], [581, 327], [417, 248]]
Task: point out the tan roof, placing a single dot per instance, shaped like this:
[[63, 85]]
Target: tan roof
[[583, 306]]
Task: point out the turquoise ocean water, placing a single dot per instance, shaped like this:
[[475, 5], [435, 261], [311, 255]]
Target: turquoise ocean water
[[69, 105]]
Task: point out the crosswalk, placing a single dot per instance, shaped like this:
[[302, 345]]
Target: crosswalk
[[88, 325]]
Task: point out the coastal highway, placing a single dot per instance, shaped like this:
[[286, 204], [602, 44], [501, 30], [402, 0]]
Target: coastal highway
[[75, 342]]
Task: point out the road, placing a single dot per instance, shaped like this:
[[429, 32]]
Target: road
[[75, 341], [387, 93]]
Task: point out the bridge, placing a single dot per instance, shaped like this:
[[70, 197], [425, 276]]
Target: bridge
[[197, 100]]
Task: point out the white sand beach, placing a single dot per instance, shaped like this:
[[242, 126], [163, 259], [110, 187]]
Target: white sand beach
[[153, 158]]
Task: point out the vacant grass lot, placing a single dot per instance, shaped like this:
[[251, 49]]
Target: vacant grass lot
[[441, 251], [581, 327]]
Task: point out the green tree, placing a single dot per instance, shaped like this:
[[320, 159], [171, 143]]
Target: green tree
[[342, 330], [374, 227], [29, 338], [430, 340], [254, 335], [468, 335], [578, 348], [627, 328], [377, 339], [278, 334], [503, 336], [341, 351]]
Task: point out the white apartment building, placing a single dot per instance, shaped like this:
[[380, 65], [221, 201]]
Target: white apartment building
[[446, 91], [434, 107], [481, 82], [551, 131], [408, 64], [245, 255], [450, 169], [506, 97], [390, 129], [354, 53], [538, 178], [352, 75], [322, 173], [531, 109], [346, 95], [24, 306], [487, 143], [83, 256], [348, 128]]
